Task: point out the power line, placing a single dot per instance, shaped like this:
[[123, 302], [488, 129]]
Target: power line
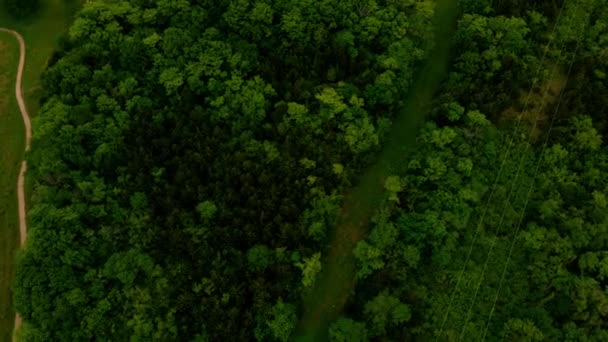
[[504, 271], [511, 191], [470, 251]]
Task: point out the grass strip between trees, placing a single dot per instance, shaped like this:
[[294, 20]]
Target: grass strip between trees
[[11, 153], [41, 33], [336, 282]]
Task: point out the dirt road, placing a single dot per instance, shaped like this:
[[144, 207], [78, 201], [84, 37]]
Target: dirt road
[[28, 138]]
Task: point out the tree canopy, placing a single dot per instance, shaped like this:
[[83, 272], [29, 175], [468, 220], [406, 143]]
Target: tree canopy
[[191, 157]]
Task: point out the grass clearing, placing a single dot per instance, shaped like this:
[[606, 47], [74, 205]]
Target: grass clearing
[[535, 107], [11, 153], [41, 33]]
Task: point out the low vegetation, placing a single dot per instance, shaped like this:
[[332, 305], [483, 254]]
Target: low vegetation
[[11, 153]]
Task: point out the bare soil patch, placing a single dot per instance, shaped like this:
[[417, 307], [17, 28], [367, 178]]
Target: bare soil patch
[[534, 108]]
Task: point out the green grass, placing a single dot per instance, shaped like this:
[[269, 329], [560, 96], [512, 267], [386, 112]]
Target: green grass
[[41, 33], [337, 280], [11, 153]]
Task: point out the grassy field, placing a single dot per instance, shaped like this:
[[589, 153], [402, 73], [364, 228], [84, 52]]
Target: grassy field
[[11, 153], [41, 33]]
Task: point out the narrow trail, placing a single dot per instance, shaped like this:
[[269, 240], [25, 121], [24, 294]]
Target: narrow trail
[[336, 282], [28, 138]]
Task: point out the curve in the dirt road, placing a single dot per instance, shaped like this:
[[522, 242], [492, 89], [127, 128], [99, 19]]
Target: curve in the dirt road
[[28, 138], [336, 282]]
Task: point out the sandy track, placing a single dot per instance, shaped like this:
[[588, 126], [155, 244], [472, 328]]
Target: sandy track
[[28, 138]]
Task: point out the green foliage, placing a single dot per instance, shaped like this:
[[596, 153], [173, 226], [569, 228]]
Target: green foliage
[[283, 321], [495, 56], [206, 209], [522, 330], [369, 258], [259, 257], [310, 268], [454, 111], [394, 186], [385, 311], [322, 216], [347, 330], [557, 265], [205, 143]]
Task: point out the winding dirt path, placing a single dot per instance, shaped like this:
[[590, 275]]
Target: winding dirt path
[[28, 138]]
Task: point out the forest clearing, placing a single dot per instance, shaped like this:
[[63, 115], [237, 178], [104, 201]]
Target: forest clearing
[[538, 103]]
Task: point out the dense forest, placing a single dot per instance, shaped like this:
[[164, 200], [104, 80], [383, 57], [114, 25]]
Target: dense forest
[[190, 159]]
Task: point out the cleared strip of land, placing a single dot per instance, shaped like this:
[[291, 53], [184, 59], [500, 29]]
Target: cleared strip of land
[[12, 140], [28, 139], [337, 279]]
